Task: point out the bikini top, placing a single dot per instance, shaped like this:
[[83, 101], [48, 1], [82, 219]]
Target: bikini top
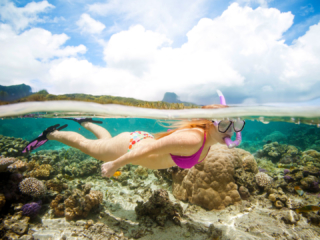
[[189, 161]]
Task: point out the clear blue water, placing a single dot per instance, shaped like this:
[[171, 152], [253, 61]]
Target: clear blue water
[[255, 133]]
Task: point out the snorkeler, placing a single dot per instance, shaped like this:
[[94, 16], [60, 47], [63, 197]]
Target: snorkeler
[[187, 144]]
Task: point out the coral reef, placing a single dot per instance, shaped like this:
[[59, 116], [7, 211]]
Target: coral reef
[[56, 184], [11, 147], [160, 208], [31, 209], [165, 175], [310, 158], [210, 184], [58, 206], [33, 187], [278, 198], [42, 171], [78, 204], [275, 136], [45, 164], [142, 172], [263, 179], [282, 153]]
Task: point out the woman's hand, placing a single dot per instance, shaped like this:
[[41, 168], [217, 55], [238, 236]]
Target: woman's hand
[[108, 169]]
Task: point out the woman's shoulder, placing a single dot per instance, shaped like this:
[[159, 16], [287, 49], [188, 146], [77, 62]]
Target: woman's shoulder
[[190, 130]]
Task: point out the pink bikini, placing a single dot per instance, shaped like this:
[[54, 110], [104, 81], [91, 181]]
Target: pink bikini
[[189, 161]]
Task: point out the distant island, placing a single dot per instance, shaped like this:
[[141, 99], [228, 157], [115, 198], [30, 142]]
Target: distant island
[[22, 93], [14, 92]]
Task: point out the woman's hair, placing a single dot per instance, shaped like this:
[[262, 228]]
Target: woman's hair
[[185, 124], [195, 123]]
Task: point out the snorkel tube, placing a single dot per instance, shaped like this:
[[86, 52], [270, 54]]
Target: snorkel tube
[[227, 140]]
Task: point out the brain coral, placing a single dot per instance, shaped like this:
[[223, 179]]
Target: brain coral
[[263, 179], [210, 184], [33, 187]]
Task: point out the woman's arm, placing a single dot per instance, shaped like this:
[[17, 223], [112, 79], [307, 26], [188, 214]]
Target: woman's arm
[[184, 143]]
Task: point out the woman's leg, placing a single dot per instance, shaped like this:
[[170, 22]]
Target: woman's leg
[[98, 131], [106, 149]]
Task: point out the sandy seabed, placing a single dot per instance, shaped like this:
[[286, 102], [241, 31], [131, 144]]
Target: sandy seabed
[[254, 219]]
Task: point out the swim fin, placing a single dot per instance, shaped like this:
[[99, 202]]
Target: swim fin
[[42, 138], [81, 120]]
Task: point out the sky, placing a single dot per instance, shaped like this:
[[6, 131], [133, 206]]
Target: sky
[[254, 51]]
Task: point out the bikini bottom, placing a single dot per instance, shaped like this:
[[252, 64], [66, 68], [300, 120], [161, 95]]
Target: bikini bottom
[[137, 136]]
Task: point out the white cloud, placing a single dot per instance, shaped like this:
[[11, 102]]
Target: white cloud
[[170, 17], [241, 52], [20, 18], [89, 25], [27, 56]]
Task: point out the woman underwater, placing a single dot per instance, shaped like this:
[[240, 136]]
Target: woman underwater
[[184, 146]]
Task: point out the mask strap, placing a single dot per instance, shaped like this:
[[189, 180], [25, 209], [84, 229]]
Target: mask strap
[[227, 140]]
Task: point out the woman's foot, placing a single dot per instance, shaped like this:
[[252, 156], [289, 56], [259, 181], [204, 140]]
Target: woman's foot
[[42, 139], [108, 169]]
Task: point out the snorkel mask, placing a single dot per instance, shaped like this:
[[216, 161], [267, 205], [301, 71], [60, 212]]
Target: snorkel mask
[[227, 140]]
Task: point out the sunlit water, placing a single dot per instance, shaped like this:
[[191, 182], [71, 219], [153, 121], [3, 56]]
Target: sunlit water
[[287, 124]]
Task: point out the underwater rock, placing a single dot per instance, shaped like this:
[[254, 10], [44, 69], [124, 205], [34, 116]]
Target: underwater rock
[[9, 187], [246, 179], [2, 200], [248, 162], [18, 166], [263, 179], [210, 184], [312, 217], [6, 162], [33, 187], [160, 208], [244, 193], [16, 224], [142, 172], [287, 216]]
